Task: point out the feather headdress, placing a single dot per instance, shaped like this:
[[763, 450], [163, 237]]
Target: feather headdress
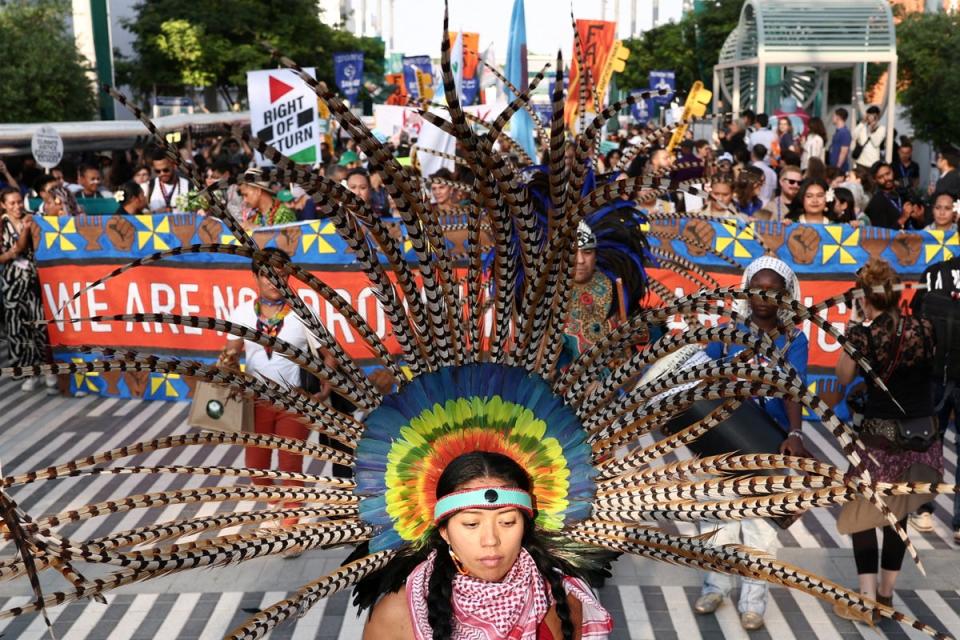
[[471, 387]]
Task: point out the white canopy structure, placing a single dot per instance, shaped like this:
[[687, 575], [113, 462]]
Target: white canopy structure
[[806, 39]]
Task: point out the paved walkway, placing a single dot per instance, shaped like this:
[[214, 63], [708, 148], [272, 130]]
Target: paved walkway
[[647, 599]]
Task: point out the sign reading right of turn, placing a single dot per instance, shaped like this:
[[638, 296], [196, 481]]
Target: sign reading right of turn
[[283, 113]]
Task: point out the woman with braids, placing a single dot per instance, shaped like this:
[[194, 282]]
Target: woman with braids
[[720, 202], [746, 191], [489, 571], [900, 348]]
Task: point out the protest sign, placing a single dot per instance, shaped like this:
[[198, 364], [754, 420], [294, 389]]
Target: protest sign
[[596, 41], [46, 145], [348, 73], [283, 113]]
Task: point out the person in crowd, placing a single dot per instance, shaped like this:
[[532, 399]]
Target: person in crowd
[[748, 120], [906, 170], [611, 160], [720, 201], [300, 201], [746, 191], [335, 172], [690, 167], [868, 137], [786, 136], [7, 181], [914, 216], [349, 160], [380, 199], [444, 196], [839, 155], [843, 208], [768, 274], [816, 169], [861, 184], [833, 177], [270, 313], [488, 567], [759, 157], [810, 205], [778, 208], [22, 307], [259, 195], [131, 199], [141, 175], [89, 183], [813, 142], [220, 171], [56, 199], [940, 304], [944, 214], [886, 207], [763, 134], [704, 152], [900, 348], [949, 180], [725, 163], [162, 191], [358, 182], [733, 138]]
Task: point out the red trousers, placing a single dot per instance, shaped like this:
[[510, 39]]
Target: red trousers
[[268, 420]]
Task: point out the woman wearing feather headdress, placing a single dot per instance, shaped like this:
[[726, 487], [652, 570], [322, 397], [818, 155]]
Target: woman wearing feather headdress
[[489, 572], [460, 393]]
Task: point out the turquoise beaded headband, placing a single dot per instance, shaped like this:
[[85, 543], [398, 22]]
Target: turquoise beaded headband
[[482, 498]]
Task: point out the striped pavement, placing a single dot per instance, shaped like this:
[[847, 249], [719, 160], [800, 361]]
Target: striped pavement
[[38, 431]]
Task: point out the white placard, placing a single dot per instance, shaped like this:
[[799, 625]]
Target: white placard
[[47, 147], [283, 113]]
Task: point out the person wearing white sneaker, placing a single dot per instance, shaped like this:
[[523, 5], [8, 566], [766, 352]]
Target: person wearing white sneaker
[[22, 307]]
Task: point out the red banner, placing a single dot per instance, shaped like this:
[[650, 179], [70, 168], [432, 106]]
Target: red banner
[[596, 41]]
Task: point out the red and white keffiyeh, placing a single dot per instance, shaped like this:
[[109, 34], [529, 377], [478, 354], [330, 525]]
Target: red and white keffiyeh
[[511, 609]]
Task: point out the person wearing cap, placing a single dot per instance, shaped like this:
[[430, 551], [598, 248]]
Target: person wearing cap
[[300, 201], [778, 208], [259, 195], [349, 159], [725, 163]]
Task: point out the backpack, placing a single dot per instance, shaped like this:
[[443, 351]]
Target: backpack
[[942, 309]]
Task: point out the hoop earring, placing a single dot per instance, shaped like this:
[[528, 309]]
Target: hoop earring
[[462, 570]]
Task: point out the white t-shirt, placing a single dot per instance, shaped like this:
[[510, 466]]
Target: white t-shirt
[[764, 137], [871, 144], [163, 193], [277, 368], [769, 188]]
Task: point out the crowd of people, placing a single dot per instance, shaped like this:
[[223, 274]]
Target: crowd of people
[[757, 168]]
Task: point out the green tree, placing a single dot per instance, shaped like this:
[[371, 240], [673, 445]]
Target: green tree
[[929, 75], [183, 44], [689, 47], [45, 78]]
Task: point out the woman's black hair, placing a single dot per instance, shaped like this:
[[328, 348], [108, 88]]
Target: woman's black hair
[[470, 466], [256, 265], [796, 207], [842, 194], [129, 190]]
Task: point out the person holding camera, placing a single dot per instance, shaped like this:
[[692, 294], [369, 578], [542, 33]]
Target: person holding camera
[[898, 429], [868, 138]]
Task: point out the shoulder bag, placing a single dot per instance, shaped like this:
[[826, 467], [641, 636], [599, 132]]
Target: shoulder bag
[[217, 408]]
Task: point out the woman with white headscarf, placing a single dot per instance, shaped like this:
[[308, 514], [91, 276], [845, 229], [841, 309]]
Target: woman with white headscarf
[[768, 274]]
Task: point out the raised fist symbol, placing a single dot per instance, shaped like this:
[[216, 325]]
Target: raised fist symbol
[[121, 233], [907, 248], [874, 240], [803, 243], [137, 382], [773, 235], [210, 231], [699, 236], [184, 226]]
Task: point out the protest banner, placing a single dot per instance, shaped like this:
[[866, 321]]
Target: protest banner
[[418, 77], [348, 73], [78, 251], [283, 113], [470, 83], [597, 39]]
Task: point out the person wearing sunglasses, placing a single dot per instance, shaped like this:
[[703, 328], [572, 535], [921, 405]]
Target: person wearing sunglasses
[[778, 208], [162, 190]]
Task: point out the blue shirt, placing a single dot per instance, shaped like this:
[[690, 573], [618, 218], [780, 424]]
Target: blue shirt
[[841, 138], [796, 355]]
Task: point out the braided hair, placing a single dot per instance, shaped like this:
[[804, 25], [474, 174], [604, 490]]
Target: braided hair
[[467, 467]]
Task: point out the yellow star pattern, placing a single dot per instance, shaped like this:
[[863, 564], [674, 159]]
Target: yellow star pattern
[[948, 244], [835, 231], [61, 227], [155, 226], [315, 235], [82, 380], [159, 380], [737, 235], [229, 238]]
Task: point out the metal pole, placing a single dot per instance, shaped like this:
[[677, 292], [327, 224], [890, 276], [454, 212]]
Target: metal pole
[[735, 107], [891, 107], [761, 101]]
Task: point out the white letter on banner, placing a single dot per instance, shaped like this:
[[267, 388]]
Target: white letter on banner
[[337, 325], [63, 296], [135, 305], [363, 303], [188, 309], [97, 308], [222, 308], [823, 337], [163, 307], [311, 299]]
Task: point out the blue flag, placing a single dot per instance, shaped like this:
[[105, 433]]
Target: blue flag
[[521, 124], [348, 73]]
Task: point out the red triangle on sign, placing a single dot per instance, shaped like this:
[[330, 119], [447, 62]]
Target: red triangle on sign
[[278, 89]]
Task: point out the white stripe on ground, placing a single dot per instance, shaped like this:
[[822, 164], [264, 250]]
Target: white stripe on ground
[[87, 620], [222, 615], [308, 627], [681, 613], [177, 616], [774, 621], [815, 616], [103, 407], [352, 628], [127, 626], [949, 620], [635, 612]]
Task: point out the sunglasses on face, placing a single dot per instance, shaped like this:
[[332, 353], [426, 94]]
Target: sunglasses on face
[[164, 170], [791, 182]]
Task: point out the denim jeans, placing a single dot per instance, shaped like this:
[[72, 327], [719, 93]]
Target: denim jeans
[[952, 404], [754, 533]]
